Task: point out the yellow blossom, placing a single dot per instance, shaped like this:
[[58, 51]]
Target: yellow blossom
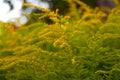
[[73, 61]]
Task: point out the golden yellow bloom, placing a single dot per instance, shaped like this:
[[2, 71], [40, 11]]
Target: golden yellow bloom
[[73, 61], [66, 17]]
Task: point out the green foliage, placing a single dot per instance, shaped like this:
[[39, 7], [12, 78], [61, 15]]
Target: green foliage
[[75, 47]]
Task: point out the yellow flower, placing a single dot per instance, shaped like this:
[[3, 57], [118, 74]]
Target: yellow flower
[[66, 17], [73, 61]]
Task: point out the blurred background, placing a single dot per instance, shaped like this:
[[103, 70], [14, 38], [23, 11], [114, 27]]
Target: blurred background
[[14, 11]]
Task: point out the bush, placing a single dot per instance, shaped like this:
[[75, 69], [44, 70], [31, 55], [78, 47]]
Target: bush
[[82, 47]]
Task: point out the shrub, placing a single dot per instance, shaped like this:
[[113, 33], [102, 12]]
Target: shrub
[[72, 48]]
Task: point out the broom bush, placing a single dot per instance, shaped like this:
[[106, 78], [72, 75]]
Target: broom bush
[[74, 47]]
